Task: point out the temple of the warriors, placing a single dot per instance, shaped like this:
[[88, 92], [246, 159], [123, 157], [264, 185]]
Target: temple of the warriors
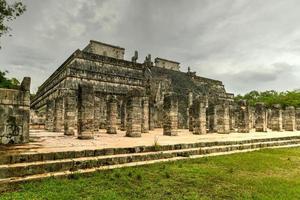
[[96, 88], [98, 111]]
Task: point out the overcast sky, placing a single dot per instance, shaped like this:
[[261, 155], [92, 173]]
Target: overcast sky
[[247, 44]]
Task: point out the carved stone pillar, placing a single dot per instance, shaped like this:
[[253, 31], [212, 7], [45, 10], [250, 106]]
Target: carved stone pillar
[[123, 116], [189, 105], [199, 116], [49, 124], [86, 112], [70, 122], [145, 115], [276, 118], [59, 115], [151, 116], [191, 118], [111, 117], [222, 117], [261, 118], [134, 116], [170, 122], [243, 117], [297, 118], [290, 119], [231, 118]]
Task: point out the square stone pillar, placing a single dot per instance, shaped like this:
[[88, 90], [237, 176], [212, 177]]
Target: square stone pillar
[[86, 103], [199, 116], [243, 118], [111, 120], [145, 115], [59, 115], [261, 118], [49, 124], [276, 118], [170, 108], [134, 116], [151, 115], [71, 110], [189, 105], [297, 118], [290, 120], [231, 118], [221, 116], [123, 115], [269, 118], [191, 118]]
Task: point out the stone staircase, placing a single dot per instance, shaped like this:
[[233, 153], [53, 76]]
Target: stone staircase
[[24, 167]]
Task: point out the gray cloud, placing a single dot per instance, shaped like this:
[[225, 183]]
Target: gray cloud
[[247, 44]]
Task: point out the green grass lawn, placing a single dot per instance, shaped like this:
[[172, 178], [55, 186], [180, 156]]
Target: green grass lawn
[[266, 174]]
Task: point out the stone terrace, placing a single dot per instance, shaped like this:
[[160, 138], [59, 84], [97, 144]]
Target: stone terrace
[[45, 142]]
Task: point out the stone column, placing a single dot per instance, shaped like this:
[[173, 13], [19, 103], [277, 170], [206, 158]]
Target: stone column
[[189, 105], [111, 116], [297, 118], [221, 117], [49, 125], [231, 118], [269, 117], [70, 123], [123, 116], [86, 112], [261, 117], [151, 116], [276, 118], [243, 117], [191, 118], [170, 122], [145, 115], [199, 116], [290, 118], [59, 115], [134, 116]]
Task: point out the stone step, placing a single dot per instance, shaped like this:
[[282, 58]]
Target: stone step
[[35, 157], [20, 171]]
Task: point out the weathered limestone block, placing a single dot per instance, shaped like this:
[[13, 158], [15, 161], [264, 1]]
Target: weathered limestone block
[[199, 116], [58, 115], [231, 118], [261, 117], [123, 115], [134, 114], [221, 116], [243, 119], [276, 118], [71, 110], [15, 114], [112, 109], [191, 118], [151, 116], [170, 122], [290, 119], [50, 115], [86, 112], [145, 115], [297, 118]]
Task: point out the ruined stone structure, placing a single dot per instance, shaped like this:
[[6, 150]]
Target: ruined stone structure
[[14, 114], [76, 98], [95, 88]]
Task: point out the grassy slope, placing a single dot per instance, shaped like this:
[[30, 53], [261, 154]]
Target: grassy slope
[[265, 174]]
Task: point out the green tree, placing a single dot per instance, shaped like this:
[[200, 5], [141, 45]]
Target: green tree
[[9, 12], [8, 83]]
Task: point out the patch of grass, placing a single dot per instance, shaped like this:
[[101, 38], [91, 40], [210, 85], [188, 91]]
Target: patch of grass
[[265, 174]]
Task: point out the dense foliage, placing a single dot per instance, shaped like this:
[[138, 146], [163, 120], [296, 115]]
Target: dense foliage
[[288, 98], [8, 83]]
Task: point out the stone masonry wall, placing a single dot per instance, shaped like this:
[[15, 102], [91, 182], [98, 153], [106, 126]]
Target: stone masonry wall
[[15, 114]]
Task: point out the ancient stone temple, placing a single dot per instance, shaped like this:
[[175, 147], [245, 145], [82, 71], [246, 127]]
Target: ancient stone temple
[[93, 88]]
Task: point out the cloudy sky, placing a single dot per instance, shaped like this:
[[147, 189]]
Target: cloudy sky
[[247, 44]]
